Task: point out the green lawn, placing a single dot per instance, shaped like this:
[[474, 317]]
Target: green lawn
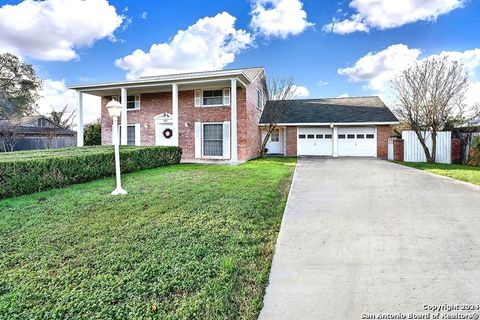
[[187, 242], [455, 171]]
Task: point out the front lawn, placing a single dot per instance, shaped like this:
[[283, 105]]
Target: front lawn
[[455, 171], [187, 242]]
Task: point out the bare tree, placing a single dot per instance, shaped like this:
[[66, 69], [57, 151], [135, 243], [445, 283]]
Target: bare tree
[[62, 118], [430, 97], [9, 134], [278, 91]]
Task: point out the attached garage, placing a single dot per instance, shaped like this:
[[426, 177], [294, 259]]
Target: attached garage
[[353, 127], [315, 142], [357, 141]]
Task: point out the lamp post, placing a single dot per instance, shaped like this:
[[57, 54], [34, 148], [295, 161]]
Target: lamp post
[[115, 110]]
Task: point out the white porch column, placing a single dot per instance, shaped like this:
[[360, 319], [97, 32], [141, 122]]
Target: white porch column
[[79, 119], [175, 113], [335, 142], [123, 138], [233, 120]]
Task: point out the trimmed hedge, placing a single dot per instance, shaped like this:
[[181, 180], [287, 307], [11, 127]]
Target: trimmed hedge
[[32, 171]]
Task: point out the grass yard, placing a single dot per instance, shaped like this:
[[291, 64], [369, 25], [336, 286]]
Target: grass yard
[[455, 171], [187, 242]]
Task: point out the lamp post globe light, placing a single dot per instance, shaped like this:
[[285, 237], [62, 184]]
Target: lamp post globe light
[[115, 110]]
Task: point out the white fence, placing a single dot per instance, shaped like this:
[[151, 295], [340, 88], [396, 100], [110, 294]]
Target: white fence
[[413, 151], [390, 149]]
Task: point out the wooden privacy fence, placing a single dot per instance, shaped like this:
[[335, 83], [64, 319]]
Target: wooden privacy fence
[[413, 150]]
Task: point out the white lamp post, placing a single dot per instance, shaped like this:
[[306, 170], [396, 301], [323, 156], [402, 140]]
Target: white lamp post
[[115, 110]]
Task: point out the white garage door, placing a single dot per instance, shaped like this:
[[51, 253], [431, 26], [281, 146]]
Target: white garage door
[[314, 142], [357, 141]]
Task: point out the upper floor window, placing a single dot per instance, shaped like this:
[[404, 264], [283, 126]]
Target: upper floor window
[[259, 99], [212, 98], [133, 101], [42, 122]]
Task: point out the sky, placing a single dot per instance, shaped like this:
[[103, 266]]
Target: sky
[[329, 48]]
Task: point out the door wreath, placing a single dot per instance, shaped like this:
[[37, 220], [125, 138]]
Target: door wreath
[[167, 133]]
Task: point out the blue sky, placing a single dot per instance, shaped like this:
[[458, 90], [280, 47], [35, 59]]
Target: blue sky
[[330, 48]]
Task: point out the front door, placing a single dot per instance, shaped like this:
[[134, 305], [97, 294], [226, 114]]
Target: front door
[[164, 134]]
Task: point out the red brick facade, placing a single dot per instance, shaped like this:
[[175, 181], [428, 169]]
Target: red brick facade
[[291, 135], [383, 133], [153, 104]]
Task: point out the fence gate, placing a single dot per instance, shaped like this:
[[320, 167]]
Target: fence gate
[[413, 150], [390, 149]]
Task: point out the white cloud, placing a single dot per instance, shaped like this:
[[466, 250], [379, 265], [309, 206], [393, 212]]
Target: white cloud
[[300, 91], [343, 95], [322, 83], [55, 95], [144, 15], [279, 18], [377, 68], [386, 14], [210, 43], [53, 29]]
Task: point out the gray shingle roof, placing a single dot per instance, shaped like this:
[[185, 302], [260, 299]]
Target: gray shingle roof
[[332, 110]]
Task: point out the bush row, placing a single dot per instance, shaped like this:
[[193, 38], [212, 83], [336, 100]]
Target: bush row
[[28, 175]]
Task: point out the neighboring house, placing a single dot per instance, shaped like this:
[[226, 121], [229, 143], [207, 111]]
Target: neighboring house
[[38, 132], [354, 126], [215, 115]]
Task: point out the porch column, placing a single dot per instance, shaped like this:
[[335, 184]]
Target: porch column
[[79, 119], [175, 113], [233, 120], [123, 98], [335, 142]]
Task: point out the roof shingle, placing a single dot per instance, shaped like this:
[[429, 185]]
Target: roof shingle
[[332, 110]]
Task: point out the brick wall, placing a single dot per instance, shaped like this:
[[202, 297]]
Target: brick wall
[[153, 104], [383, 133], [291, 136], [398, 145]]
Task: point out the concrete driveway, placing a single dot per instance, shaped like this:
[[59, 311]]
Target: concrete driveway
[[366, 237]]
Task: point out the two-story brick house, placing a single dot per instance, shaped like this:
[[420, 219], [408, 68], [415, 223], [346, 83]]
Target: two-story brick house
[[217, 116]]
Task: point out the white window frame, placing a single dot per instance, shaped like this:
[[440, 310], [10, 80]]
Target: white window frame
[[137, 132], [277, 132], [259, 99], [137, 101], [226, 98], [203, 137]]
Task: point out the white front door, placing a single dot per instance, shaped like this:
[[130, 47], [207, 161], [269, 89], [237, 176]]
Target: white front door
[[357, 141], [314, 141], [275, 145], [163, 134]]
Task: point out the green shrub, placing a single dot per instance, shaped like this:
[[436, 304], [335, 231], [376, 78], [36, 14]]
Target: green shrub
[[92, 135], [32, 171], [474, 154]]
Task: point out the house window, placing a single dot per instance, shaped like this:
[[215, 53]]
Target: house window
[[259, 99], [42, 122], [328, 136], [213, 140], [370, 136], [310, 136], [131, 134], [212, 97], [302, 136], [275, 136], [341, 136], [133, 101], [350, 136], [360, 136], [319, 136]]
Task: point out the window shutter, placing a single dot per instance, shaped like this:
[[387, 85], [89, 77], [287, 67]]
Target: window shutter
[[198, 98], [226, 139], [137, 134], [137, 101], [226, 96], [198, 140]]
